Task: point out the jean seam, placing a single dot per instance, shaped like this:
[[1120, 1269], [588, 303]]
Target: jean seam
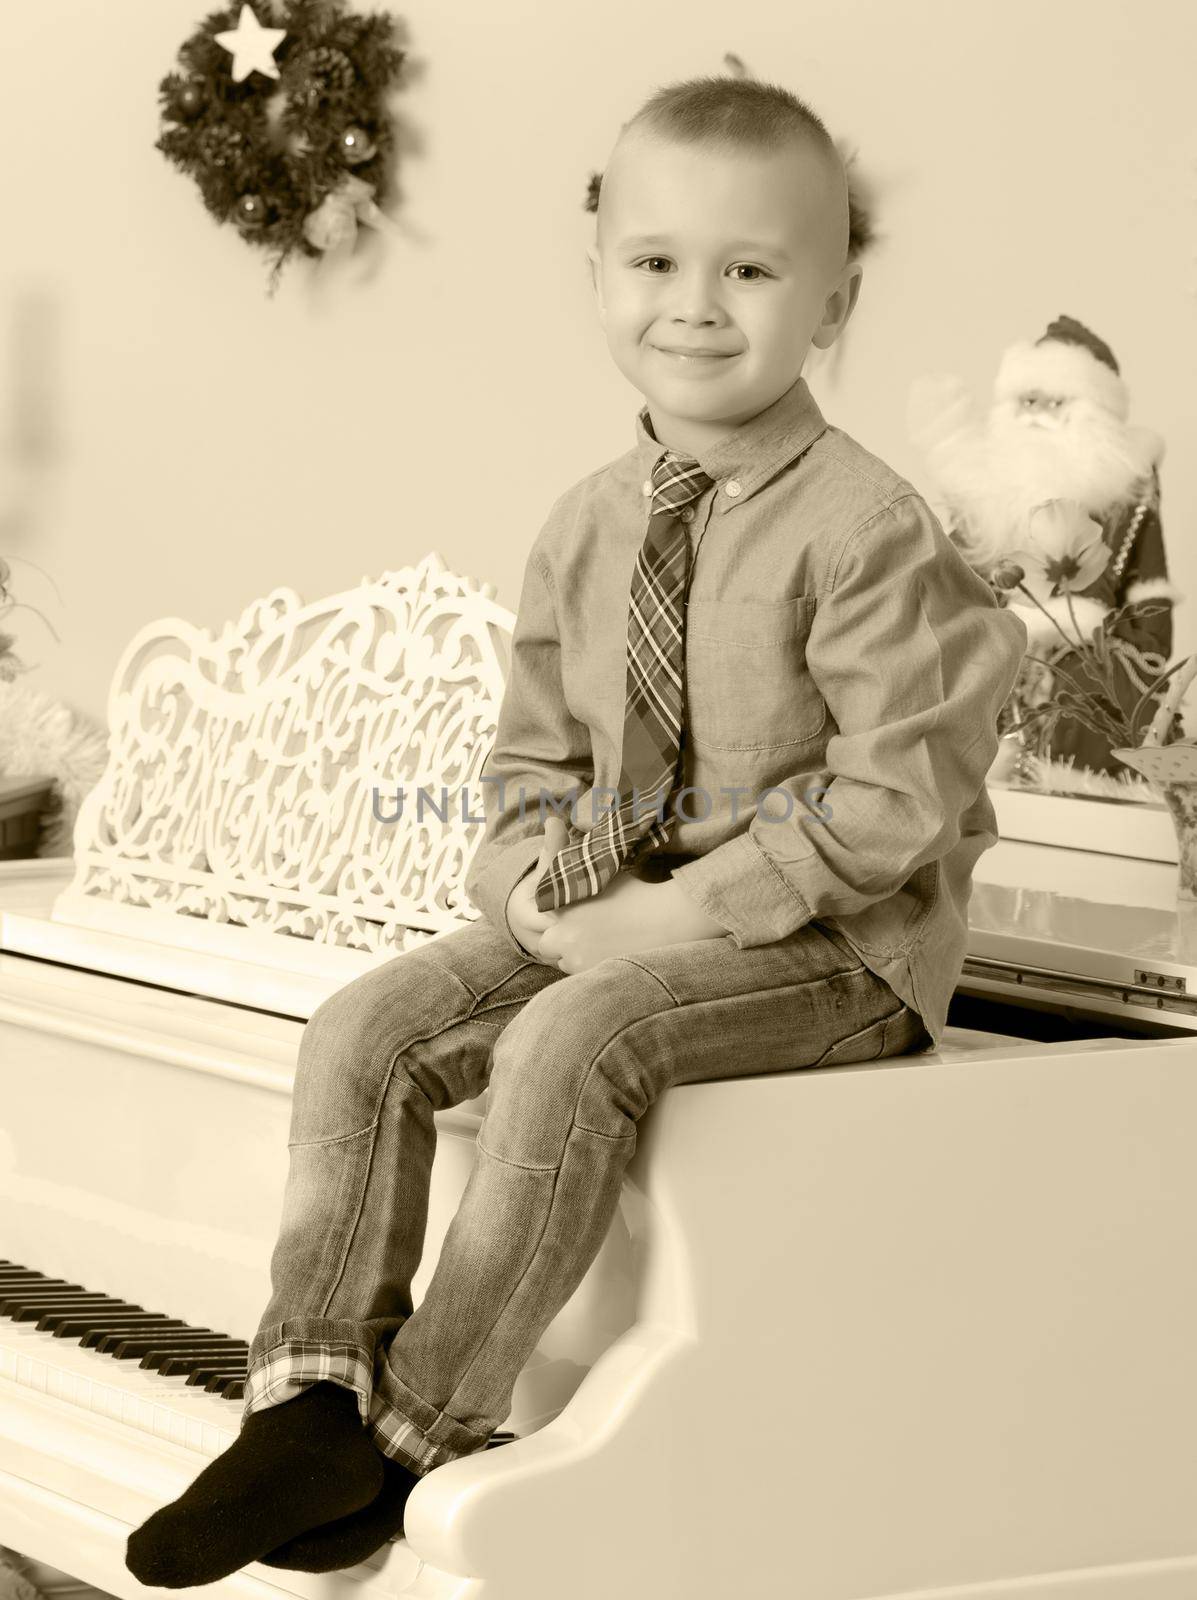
[[690, 1005], [535, 1251], [715, 1000], [479, 998], [480, 1011], [524, 1166], [351, 1231], [333, 1138], [632, 962], [613, 1138], [884, 1022], [556, 1170]]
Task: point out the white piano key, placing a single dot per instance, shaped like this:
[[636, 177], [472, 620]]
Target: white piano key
[[135, 1396]]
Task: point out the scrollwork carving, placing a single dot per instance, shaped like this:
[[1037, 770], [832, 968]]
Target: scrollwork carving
[[242, 770]]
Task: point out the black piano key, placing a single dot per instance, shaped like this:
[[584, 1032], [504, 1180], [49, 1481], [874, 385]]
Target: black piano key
[[159, 1360], [213, 1362], [228, 1384], [123, 1312], [182, 1362], [38, 1285], [203, 1373], [28, 1307], [187, 1361], [135, 1343], [113, 1341], [34, 1280], [71, 1324], [93, 1315], [17, 1291], [49, 1292], [24, 1312]]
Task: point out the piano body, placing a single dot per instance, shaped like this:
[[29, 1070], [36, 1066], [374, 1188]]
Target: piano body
[[971, 1380]]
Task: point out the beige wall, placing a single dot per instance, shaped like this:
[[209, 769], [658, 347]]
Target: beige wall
[[173, 443]]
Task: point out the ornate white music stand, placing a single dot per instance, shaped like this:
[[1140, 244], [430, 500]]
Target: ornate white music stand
[[291, 802]]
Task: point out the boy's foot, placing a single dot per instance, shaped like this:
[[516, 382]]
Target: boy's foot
[[294, 1465], [354, 1538], [351, 1539]]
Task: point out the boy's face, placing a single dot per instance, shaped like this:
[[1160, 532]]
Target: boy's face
[[740, 253]]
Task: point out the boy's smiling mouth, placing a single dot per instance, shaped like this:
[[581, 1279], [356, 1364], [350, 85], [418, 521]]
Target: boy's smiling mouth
[[699, 355]]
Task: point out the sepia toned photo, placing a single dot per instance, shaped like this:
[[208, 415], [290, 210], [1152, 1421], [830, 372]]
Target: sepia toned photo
[[598, 801]]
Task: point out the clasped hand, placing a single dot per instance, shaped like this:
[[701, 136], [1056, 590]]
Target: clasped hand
[[628, 914]]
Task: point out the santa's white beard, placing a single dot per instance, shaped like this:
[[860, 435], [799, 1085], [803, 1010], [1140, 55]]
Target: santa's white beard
[[993, 475]]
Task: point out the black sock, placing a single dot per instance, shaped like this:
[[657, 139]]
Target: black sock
[[294, 1465], [351, 1539]]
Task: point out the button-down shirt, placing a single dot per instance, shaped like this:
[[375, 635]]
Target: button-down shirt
[[844, 671]]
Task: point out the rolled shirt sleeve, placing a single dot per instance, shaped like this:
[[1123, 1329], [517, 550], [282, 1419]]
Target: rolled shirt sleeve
[[914, 658], [539, 746]]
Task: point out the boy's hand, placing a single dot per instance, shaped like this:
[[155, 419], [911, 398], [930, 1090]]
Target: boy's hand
[[627, 915], [524, 917]]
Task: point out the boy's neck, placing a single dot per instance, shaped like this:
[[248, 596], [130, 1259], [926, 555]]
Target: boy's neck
[[683, 436], [687, 436]]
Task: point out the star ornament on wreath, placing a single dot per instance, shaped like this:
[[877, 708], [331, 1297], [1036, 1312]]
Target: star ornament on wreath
[[278, 112]]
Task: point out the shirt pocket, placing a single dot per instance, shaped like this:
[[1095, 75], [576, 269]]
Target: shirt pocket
[[747, 683]]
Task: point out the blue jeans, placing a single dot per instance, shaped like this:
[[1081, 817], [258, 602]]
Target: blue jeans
[[572, 1063]]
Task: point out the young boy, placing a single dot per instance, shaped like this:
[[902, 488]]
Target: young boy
[[747, 638]]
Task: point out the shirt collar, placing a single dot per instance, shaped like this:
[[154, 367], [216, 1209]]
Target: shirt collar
[[751, 454]]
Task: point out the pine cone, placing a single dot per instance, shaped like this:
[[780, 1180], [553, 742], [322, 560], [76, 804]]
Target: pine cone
[[320, 74], [220, 145]]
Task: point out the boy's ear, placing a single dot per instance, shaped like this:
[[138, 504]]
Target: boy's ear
[[841, 303], [596, 283]]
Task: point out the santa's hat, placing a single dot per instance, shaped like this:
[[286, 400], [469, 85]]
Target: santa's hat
[[1068, 360]]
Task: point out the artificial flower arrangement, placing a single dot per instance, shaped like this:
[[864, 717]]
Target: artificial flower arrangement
[[1064, 553], [10, 663], [31, 800]]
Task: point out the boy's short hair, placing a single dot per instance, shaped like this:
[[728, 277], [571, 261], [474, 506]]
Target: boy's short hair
[[744, 114]]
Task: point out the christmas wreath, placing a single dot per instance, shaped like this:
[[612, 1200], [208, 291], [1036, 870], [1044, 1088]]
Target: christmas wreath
[[278, 113]]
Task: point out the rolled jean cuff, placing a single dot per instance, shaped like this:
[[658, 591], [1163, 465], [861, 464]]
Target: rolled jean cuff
[[291, 1355], [412, 1432]]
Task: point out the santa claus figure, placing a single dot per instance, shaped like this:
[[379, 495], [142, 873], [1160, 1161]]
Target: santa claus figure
[[1057, 429]]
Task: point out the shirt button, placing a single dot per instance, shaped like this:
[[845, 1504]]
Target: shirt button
[[732, 487], [687, 513], [646, 488]]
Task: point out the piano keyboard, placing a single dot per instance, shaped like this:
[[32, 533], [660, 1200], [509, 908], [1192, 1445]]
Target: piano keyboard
[[124, 1331], [152, 1373], [141, 1368]]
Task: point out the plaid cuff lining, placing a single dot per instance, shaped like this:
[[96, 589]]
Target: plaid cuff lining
[[398, 1437], [297, 1364]]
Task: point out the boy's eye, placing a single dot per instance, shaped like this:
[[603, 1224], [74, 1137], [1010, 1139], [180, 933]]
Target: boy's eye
[[748, 264]]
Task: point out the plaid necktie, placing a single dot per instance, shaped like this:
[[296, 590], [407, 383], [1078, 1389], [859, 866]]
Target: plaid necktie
[[653, 712]]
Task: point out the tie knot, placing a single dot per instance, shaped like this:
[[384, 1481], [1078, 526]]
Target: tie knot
[[677, 479]]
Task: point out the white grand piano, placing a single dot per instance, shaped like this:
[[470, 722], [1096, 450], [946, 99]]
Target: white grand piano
[[923, 1331]]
